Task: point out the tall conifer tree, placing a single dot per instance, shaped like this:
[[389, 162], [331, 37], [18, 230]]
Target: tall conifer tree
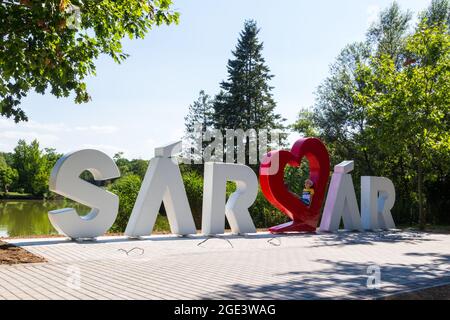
[[197, 122], [200, 113], [245, 101]]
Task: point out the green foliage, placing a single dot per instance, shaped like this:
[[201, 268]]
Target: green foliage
[[8, 175], [387, 35], [246, 100], [33, 167], [295, 177], [139, 167], [305, 124], [53, 44], [437, 13], [386, 105], [127, 188], [264, 215], [136, 166], [193, 183], [409, 107], [200, 114]]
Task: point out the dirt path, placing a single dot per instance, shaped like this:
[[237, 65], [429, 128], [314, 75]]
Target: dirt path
[[10, 254]]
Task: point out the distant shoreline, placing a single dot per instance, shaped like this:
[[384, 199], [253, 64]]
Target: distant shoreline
[[19, 196]]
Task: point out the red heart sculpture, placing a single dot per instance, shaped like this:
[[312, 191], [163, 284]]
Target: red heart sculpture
[[304, 218]]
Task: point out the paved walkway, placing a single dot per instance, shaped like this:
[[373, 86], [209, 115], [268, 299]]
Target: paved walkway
[[253, 267]]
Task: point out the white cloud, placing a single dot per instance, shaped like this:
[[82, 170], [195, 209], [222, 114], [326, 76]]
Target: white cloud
[[32, 125], [29, 136], [59, 135], [56, 127], [108, 149], [98, 129]]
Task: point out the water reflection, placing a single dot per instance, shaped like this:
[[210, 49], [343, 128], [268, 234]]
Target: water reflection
[[29, 217]]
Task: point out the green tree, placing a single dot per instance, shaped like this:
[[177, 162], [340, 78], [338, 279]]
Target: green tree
[[53, 44], [199, 120], [339, 119], [246, 101], [336, 117], [135, 167], [122, 163], [305, 123], [51, 157], [387, 35], [6, 157], [193, 184], [344, 117], [33, 167], [2, 161], [409, 108], [8, 175], [200, 113], [139, 167]]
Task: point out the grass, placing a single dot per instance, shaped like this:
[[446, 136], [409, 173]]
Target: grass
[[162, 225]]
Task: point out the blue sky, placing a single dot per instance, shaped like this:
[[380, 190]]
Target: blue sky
[[141, 103]]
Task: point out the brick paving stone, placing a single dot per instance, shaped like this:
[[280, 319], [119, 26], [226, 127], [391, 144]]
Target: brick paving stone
[[259, 266]]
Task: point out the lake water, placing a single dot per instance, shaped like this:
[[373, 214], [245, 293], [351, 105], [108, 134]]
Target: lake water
[[29, 217]]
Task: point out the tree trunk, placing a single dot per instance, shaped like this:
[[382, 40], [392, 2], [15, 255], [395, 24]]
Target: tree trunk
[[422, 217]]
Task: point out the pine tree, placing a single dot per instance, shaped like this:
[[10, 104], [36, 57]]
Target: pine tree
[[198, 120], [245, 101], [200, 113], [437, 12]]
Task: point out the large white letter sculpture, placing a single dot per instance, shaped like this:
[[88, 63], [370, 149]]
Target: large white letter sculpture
[[377, 200], [236, 209], [162, 182], [341, 201], [65, 180]]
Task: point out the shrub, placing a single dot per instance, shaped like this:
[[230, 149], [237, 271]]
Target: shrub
[[127, 188], [161, 225], [264, 214], [193, 183]]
